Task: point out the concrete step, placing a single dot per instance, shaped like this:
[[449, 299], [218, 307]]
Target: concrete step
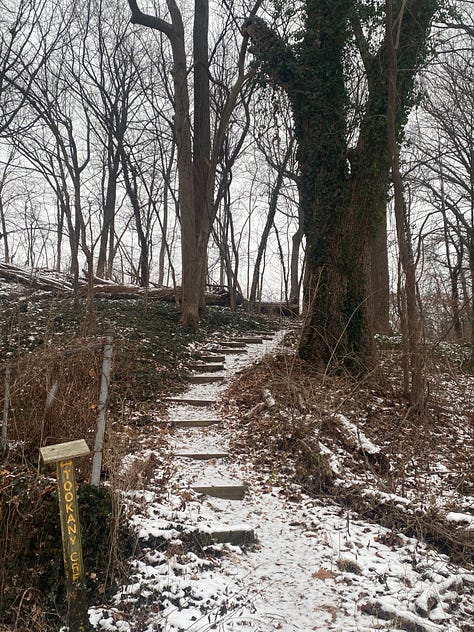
[[201, 456], [211, 357], [205, 379], [230, 350], [190, 401], [240, 535], [209, 367], [194, 423], [226, 490]]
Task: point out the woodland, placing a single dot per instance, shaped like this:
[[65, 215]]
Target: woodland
[[263, 148], [176, 171]]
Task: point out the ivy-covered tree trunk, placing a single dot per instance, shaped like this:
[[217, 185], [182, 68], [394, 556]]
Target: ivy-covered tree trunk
[[343, 190]]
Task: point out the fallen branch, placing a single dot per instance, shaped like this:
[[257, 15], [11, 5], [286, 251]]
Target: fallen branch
[[268, 403], [354, 440]]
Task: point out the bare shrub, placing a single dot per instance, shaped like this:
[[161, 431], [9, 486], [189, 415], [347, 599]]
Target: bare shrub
[[54, 393]]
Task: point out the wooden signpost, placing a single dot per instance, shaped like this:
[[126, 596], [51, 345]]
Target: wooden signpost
[[63, 454]]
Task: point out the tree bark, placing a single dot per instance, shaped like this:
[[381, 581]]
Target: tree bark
[[380, 282], [191, 270], [342, 207], [417, 395]]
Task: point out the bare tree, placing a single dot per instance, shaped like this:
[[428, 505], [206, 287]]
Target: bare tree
[[197, 159], [445, 154]]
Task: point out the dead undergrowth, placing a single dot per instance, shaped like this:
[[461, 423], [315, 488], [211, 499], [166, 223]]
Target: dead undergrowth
[[357, 441], [55, 373]]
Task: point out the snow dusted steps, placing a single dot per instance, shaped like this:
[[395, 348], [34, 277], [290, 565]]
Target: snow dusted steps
[[191, 401], [250, 340], [194, 423], [226, 491], [212, 357], [228, 350], [201, 456], [210, 367], [206, 379], [239, 535]]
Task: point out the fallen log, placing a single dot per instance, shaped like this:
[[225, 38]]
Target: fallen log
[[39, 279], [34, 278]]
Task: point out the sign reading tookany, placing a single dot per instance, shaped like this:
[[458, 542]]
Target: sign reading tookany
[[63, 454], [70, 528]]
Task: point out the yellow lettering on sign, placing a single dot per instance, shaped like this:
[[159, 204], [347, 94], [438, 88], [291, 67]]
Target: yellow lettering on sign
[[70, 522], [71, 528]]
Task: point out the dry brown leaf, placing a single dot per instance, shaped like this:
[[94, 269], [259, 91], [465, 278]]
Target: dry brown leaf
[[323, 574]]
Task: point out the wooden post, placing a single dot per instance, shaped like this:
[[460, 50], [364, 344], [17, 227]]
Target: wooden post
[[6, 405], [63, 454], [101, 408]]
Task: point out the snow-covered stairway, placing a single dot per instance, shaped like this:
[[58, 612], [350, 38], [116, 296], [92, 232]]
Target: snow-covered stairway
[[199, 445]]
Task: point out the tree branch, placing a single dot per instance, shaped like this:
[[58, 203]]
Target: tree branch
[[152, 21]]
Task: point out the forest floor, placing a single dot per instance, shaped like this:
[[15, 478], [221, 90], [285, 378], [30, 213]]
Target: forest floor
[[376, 535], [356, 516]]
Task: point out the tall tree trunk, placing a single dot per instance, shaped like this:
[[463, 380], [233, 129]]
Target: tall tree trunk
[[294, 261], [272, 209], [202, 141], [413, 318], [131, 186], [6, 249], [106, 244], [380, 282]]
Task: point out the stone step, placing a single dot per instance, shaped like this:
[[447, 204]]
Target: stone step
[[226, 490], [232, 344], [265, 335], [194, 423], [201, 456], [190, 401], [205, 379], [210, 367], [254, 340], [240, 535], [205, 357], [229, 350]]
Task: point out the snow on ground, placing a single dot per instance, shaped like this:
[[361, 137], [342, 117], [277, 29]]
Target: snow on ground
[[315, 565]]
